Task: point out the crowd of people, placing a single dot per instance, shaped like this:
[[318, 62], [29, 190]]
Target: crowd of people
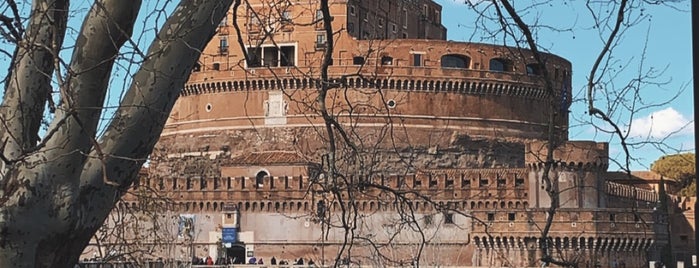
[[252, 261]]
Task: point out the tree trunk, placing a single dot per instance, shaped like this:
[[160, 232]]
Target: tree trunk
[[55, 195]]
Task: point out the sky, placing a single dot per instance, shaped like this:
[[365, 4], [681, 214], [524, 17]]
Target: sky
[[664, 125]]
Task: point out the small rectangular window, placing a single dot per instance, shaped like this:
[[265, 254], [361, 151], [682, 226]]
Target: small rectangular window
[[223, 45], [612, 217], [417, 60], [394, 28], [502, 183], [288, 55], [352, 10], [216, 66], [321, 42], [511, 216], [350, 27], [491, 216], [465, 183], [386, 60], [483, 183], [358, 60], [380, 24], [255, 56], [449, 183], [519, 182], [270, 56], [433, 184], [202, 184]]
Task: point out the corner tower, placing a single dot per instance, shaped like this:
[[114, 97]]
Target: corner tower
[[576, 174]]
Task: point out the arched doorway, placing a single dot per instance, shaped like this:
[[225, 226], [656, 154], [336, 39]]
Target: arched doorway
[[236, 253]]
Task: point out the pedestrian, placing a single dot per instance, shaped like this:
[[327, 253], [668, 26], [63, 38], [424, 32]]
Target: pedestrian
[[260, 261], [273, 261]]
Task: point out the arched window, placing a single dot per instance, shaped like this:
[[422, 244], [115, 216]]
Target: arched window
[[456, 61], [534, 69], [259, 178], [501, 65]]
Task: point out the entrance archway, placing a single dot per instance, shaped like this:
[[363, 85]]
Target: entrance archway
[[236, 253]]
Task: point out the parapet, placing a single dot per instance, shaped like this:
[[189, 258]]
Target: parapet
[[572, 154]]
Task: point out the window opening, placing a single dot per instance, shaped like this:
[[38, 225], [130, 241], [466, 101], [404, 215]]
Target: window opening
[[483, 183], [259, 178], [448, 218], [501, 65], [456, 61], [386, 60], [272, 56], [358, 60], [320, 40], [534, 69], [223, 45], [417, 60]]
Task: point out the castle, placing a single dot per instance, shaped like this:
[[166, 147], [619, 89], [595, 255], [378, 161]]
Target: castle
[[448, 142]]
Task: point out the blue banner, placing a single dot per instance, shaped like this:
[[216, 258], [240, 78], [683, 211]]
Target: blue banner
[[229, 235]]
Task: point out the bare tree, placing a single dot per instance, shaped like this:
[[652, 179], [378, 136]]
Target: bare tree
[[520, 24], [58, 188]]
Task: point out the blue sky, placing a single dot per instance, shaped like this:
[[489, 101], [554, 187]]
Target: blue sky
[[663, 32]]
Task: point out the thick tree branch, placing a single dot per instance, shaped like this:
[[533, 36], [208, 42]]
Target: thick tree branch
[[138, 122], [29, 84], [106, 28]]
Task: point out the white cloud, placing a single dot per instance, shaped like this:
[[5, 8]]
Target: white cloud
[[661, 124]]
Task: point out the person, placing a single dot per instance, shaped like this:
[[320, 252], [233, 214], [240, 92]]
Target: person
[[300, 261], [260, 261], [310, 262], [273, 261], [209, 260], [252, 260]]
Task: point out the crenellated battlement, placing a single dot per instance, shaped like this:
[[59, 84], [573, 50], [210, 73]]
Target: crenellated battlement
[[572, 155], [436, 180]]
